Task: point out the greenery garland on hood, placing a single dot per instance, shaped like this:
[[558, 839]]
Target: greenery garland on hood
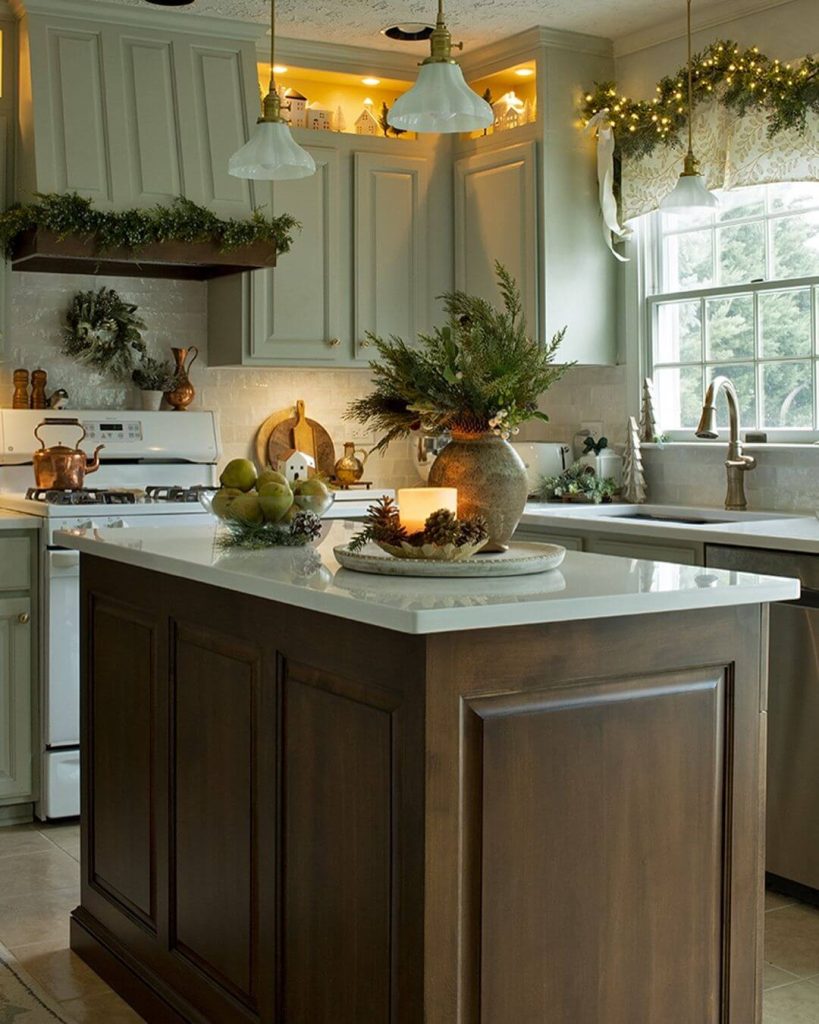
[[740, 79]]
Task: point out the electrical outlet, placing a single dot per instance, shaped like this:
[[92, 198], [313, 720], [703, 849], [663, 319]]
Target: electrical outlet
[[595, 427]]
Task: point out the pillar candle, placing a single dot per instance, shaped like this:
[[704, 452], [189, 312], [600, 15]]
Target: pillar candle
[[416, 504]]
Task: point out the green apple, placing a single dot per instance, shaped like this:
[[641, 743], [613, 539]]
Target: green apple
[[270, 476], [312, 485], [222, 500], [246, 508], [275, 501], [239, 473]]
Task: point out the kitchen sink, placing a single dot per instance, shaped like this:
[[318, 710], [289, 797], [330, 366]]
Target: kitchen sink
[[685, 516]]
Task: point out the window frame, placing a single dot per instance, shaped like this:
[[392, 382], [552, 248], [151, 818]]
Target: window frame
[[651, 240]]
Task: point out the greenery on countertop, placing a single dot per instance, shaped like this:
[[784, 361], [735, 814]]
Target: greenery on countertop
[[154, 374], [181, 221], [103, 332], [383, 526], [739, 79], [580, 483], [302, 529], [480, 373]]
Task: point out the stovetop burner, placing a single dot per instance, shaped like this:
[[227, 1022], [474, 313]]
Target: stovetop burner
[[85, 496], [189, 495]]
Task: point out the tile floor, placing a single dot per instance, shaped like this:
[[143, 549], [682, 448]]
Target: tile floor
[[39, 886]]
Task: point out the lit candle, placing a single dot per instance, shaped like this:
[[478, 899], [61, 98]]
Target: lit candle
[[416, 505]]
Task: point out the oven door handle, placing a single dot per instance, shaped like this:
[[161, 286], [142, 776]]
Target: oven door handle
[[63, 563]]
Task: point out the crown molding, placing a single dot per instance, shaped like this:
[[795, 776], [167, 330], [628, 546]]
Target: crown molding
[[674, 29], [495, 56], [306, 53], [101, 12]]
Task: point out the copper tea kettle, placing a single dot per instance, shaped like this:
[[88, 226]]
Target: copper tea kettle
[[60, 468]]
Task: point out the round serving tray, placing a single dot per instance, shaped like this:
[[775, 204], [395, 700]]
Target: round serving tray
[[519, 560]]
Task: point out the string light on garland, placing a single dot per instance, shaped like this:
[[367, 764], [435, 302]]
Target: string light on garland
[[722, 72]]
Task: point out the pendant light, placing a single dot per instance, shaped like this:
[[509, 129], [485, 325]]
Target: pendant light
[[272, 154], [690, 193], [440, 100]]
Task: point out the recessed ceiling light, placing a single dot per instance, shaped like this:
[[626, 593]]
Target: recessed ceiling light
[[371, 81], [524, 72], [408, 31], [279, 69], [368, 102], [170, 3]]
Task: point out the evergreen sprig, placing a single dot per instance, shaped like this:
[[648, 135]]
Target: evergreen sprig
[[181, 221], [154, 374], [740, 79], [480, 372]]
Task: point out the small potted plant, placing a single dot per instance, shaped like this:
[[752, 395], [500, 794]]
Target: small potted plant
[[154, 377]]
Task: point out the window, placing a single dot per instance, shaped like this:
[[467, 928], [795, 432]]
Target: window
[[735, 291]]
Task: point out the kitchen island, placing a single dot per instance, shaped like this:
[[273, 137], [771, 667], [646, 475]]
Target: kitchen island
[[317, 797]]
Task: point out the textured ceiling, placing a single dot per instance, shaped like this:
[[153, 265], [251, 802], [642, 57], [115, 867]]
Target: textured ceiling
[[358, 22]]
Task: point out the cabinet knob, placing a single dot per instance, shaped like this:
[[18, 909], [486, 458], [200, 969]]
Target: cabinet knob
[[23, 618], [364, 343], [334, 342]]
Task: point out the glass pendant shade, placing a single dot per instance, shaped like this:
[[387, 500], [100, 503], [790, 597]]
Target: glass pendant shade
[[690, 193], [442, 102], [272, 154]]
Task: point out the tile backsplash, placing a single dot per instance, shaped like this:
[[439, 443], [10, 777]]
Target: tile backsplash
[[175, 314]]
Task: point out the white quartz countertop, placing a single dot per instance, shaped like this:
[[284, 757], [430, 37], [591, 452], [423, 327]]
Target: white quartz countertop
[[774, 530], [586, 586], [16, 521]]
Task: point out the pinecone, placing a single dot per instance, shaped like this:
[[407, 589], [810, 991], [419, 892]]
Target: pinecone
[[472, 531], [306, 524], [383, 523], [441, 528]]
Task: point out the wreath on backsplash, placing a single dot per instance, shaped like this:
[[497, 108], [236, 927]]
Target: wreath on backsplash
[[102, 331]]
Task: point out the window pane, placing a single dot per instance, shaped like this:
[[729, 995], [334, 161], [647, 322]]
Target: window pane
[[743, 377], [795, 195], [784, 321], [679, 394], [741, 202], [688, 260], [679, 333], [742, 253], [796, 245], [686, 221], [730, 327], [787, 390]]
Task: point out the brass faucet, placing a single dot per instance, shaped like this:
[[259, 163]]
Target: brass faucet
[[737, 464]]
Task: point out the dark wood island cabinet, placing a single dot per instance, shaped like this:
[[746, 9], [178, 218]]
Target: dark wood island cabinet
[[294, 817]]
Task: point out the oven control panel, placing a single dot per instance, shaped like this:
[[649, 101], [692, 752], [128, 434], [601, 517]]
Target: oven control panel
[[123, 431]]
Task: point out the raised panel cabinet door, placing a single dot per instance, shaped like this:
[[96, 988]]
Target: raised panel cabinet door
[[295, 308], [15, 563], [79, 138], [15, 697], [496, 220], [391, 237]]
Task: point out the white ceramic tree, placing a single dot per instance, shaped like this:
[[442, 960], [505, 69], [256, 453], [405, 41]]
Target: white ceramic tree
[[648, 415], [634, 481]]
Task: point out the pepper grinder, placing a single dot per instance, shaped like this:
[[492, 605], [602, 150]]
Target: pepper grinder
[[20, 399], [39, 379]]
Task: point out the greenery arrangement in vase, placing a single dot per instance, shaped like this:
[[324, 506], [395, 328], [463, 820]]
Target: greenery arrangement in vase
[[154, 377], [478, 378]]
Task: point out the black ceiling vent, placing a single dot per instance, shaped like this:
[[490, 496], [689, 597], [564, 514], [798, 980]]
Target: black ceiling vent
[[170, 3], [409, 31]]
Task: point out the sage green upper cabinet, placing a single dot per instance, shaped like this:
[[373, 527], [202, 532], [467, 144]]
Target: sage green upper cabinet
[[391, 247], [496, 219], [129, 114]]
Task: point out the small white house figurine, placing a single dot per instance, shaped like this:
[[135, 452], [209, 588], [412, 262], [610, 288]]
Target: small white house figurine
[[366, 123], [319, 120], [297, 465], [298, 108]]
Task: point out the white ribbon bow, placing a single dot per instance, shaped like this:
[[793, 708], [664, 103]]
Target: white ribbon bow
[[601, 123]]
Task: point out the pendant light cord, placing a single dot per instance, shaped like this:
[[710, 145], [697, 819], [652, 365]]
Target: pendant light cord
[[690, 86], [273, 43]]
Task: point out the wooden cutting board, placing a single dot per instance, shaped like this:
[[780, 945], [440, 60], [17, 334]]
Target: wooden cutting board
[[276, 436]]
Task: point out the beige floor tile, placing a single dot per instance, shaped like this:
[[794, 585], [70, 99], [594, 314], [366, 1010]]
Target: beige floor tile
[[792, 1004], [101, 1008], [773, 901], [61, 972], [17, 839], [67, 837], [773, 977], [37, 917], [39, 871], [792, 939]]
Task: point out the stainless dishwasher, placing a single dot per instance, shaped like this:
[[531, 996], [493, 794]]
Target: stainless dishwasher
[[792, 859]]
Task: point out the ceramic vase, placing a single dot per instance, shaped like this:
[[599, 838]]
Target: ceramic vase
[[184, 392], [491, 480], [151, 400]]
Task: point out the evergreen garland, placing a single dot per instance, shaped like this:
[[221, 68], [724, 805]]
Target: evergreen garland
[[182, 221], [740, 79], [102, 331]]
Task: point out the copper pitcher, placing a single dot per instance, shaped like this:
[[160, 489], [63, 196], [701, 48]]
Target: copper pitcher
[[183, 392], [60, 468], [349, 468]]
